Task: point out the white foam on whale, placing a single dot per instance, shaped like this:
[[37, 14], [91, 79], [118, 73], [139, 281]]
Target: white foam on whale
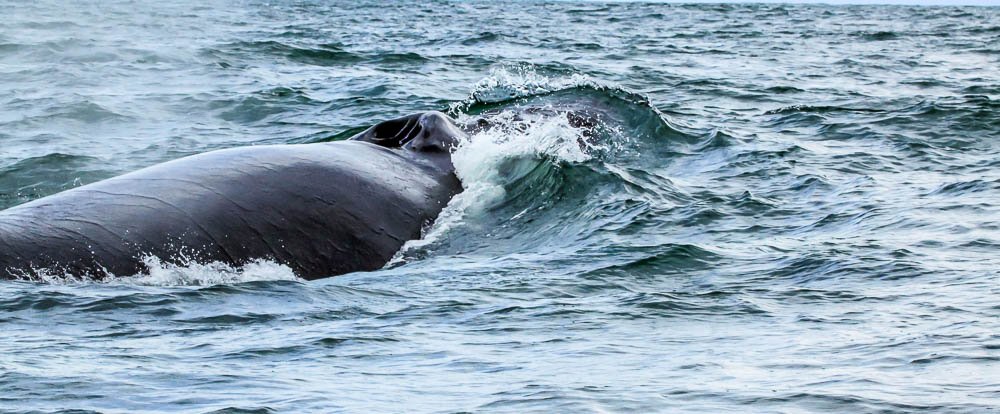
[[213, 273], [188, 273]]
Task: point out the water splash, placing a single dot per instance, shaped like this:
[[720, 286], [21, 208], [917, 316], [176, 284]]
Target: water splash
[[213, 273], [187, 273], [493, 158]]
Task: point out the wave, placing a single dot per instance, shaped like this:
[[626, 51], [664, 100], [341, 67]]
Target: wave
[[878, 35], [77, 111], [493, 162], [35, 177], [817, 109], [321, 54], [483, 37], [326, 54], [508, 82], [554, 158], [264, 105]]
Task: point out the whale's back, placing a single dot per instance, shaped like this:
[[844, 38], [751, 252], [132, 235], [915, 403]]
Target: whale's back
[[322, 209]]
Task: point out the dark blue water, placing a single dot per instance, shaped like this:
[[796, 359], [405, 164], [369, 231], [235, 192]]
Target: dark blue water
[[782, 208]]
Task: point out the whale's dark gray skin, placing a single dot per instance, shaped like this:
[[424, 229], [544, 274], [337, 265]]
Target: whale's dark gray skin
[[322, 209]]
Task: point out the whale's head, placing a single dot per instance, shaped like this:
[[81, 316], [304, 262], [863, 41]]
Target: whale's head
[[427, 132]]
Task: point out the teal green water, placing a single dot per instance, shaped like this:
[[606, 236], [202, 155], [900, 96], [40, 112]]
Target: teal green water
[[783, 209]]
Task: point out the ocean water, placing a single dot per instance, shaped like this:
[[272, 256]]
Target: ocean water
[[781, 209]]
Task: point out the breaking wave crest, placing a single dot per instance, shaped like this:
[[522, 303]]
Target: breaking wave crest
[[539, 143]]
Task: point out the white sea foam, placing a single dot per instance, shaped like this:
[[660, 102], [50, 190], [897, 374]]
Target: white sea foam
[[479, 160], [190, 273], [214, 273]]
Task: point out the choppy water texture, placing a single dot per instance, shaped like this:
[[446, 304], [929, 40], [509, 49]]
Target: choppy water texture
[[784, 208]]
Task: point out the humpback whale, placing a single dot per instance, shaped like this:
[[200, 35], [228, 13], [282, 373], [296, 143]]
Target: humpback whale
[[323, 209]]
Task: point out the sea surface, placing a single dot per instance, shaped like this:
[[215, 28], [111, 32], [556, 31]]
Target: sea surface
[[784, 208]]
